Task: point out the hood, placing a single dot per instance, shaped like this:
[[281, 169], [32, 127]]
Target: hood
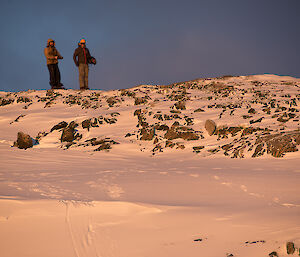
[[49, 40]]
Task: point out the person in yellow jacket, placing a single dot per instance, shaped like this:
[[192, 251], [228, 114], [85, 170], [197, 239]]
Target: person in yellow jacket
[[52, 55]]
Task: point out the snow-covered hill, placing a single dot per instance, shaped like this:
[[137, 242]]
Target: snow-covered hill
[[208, 167], [255, 115]]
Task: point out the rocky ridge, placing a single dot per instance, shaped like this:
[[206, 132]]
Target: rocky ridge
[[249, 116]]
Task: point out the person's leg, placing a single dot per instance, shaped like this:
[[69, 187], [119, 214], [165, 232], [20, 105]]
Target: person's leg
[[57, 76], [81, 75], [52, 75], [86, 77]]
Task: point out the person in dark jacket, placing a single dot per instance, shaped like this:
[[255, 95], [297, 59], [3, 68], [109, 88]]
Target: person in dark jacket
[[52, 55], [82, 58]]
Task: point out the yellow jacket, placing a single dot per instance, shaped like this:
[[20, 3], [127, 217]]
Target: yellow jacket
[[51, 53]]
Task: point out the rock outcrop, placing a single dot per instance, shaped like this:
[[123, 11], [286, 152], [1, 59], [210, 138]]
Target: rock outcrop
[[210, 127], [24, 141]]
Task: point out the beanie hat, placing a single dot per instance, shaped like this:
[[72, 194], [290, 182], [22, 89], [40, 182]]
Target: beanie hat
[[82, 41]]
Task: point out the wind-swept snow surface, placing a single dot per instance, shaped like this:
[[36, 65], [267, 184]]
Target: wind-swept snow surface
[[141, 176]]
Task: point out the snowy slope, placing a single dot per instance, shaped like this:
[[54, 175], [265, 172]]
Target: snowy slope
[[143, 177]]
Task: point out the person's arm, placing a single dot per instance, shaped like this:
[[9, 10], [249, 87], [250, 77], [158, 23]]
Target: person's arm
[[90, 58], [59, 55], [75, 57]]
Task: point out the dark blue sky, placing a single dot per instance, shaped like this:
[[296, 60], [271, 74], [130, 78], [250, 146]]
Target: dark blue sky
[[148, 42]]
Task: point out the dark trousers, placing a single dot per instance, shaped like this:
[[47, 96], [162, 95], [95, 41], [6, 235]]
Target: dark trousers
[[54, 76]]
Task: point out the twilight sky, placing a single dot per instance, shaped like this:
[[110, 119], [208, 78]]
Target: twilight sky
[[148, 41]]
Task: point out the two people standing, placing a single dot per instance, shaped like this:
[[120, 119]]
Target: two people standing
[[81, 57]]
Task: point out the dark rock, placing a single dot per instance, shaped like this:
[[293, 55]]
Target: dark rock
[[283, 119], [137, 112], [189, 136], [102, 147], [210, 127], [24, 141], [17, 119], [234, 130], [199, 110], [110, 120], [86, 124], [290, 247], [147, 134], [250, 130], [68, 134], [177, 131], [41, 135], [140, 100], [171, 134], [23, 99], [115, 114], [60, 125], [180, 105], [247, 116], [197, 149], [158, 116], [180, 146], [198, 240], [112, 101], [267, 110], [175, 124], [161, 127], [94, 123], [175, 111], [256, 121], [278, 144], [125, 92], [273, 254], [259, 151], [227, 147], [169, 144], [4, 102], [252, 111]]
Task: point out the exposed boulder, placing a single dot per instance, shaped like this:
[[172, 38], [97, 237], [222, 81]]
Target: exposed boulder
[[177, 131], [58, 126], [252, 110], [23, 99], [210, 127], [180, 105], [290, 247], [94, 123], [102, 147], [197, 149], [147, 134], [278, 145], [140, 100], [259, 150], [4, 102], [199, 110], [24, 141], [273, 254], [86, 124], [68, 134]]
